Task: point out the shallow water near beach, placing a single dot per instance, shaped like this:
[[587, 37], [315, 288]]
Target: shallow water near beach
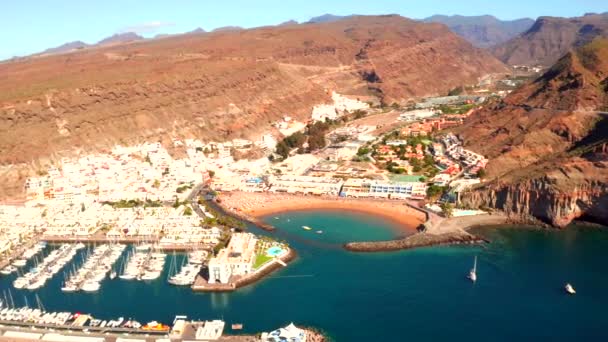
[[420, 295]]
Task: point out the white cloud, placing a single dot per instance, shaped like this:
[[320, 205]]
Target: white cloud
[[149, 27]]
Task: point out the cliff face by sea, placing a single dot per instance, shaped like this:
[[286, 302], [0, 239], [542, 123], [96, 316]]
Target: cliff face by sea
[[538, 199]]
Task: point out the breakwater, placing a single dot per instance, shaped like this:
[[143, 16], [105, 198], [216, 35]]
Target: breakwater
[[414, 241]]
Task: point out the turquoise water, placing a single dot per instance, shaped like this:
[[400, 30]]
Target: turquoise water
[[420, 295], [274, 251]]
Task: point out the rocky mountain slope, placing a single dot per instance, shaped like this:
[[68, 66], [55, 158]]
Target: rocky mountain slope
[[121, 38], [220, 85], [548, 143], [550, 38], [485, 30], [67, 47]]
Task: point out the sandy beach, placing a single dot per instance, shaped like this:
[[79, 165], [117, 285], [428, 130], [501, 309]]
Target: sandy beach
[[257, 205]]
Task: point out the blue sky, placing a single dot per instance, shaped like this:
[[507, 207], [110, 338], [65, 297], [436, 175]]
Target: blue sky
[[28, 26]]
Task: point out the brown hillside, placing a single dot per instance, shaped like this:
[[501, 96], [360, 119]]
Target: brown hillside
[[548, 143], [221, 85], [550, 38]]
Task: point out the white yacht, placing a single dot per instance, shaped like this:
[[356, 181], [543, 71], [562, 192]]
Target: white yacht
[[569, 289], [473, 272], [90, 286]]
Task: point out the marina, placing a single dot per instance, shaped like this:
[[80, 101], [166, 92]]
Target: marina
[[50, 265], [23, 259], [143, 263], [94, 270], [190, 269]]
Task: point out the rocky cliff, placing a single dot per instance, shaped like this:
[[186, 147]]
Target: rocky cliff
[[219, 85], [550, 38], [548, 143]]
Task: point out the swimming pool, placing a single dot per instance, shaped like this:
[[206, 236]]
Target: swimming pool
[[274, 251]]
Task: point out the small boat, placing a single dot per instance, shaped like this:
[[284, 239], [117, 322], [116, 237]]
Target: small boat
[[306, 228], [237, 326], [8, 270], [19, 262], [319, 232], [276, 217], [112, 275], [473, 272], [90, 286], [69, 288], [569, 289]]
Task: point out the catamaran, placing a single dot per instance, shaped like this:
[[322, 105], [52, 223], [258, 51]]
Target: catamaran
[[473, 272]]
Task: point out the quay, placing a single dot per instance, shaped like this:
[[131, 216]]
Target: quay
[[124, 240]]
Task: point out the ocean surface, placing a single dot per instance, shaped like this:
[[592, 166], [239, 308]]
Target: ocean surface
[[418, 295]]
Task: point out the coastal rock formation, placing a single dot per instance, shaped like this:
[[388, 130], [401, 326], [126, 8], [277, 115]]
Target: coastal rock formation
[[550, 38], [219, 85], [484, 30], [548, 143]]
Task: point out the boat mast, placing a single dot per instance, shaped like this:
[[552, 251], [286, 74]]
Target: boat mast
[[475, 265]]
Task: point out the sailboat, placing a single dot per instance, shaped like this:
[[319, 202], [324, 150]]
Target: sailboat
[[473, 272]]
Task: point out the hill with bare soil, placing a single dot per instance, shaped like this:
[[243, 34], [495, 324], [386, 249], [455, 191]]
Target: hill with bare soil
[[548, 143], [221, 85], [550, 38]]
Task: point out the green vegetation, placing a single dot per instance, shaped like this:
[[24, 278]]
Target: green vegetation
[[187, 211], [261, 259], [481, 173], [433, 192], [219, 218], [183, 188], [447, 209], [122, 204], [363, 150], [156, 184], [456, 109], [314, 135], [221, 244]]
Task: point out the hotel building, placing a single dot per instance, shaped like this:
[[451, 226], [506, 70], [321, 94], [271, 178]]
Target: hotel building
[[234, 260]]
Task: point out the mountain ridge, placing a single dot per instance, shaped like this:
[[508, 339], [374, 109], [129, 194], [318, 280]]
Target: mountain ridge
[[484, 30], [550, 38]]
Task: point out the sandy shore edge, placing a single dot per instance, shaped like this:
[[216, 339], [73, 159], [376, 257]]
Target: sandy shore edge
[[255, 206]]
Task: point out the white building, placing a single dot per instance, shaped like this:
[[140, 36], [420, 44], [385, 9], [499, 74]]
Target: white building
[[306, 185], [234, 260], [290, 333]]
